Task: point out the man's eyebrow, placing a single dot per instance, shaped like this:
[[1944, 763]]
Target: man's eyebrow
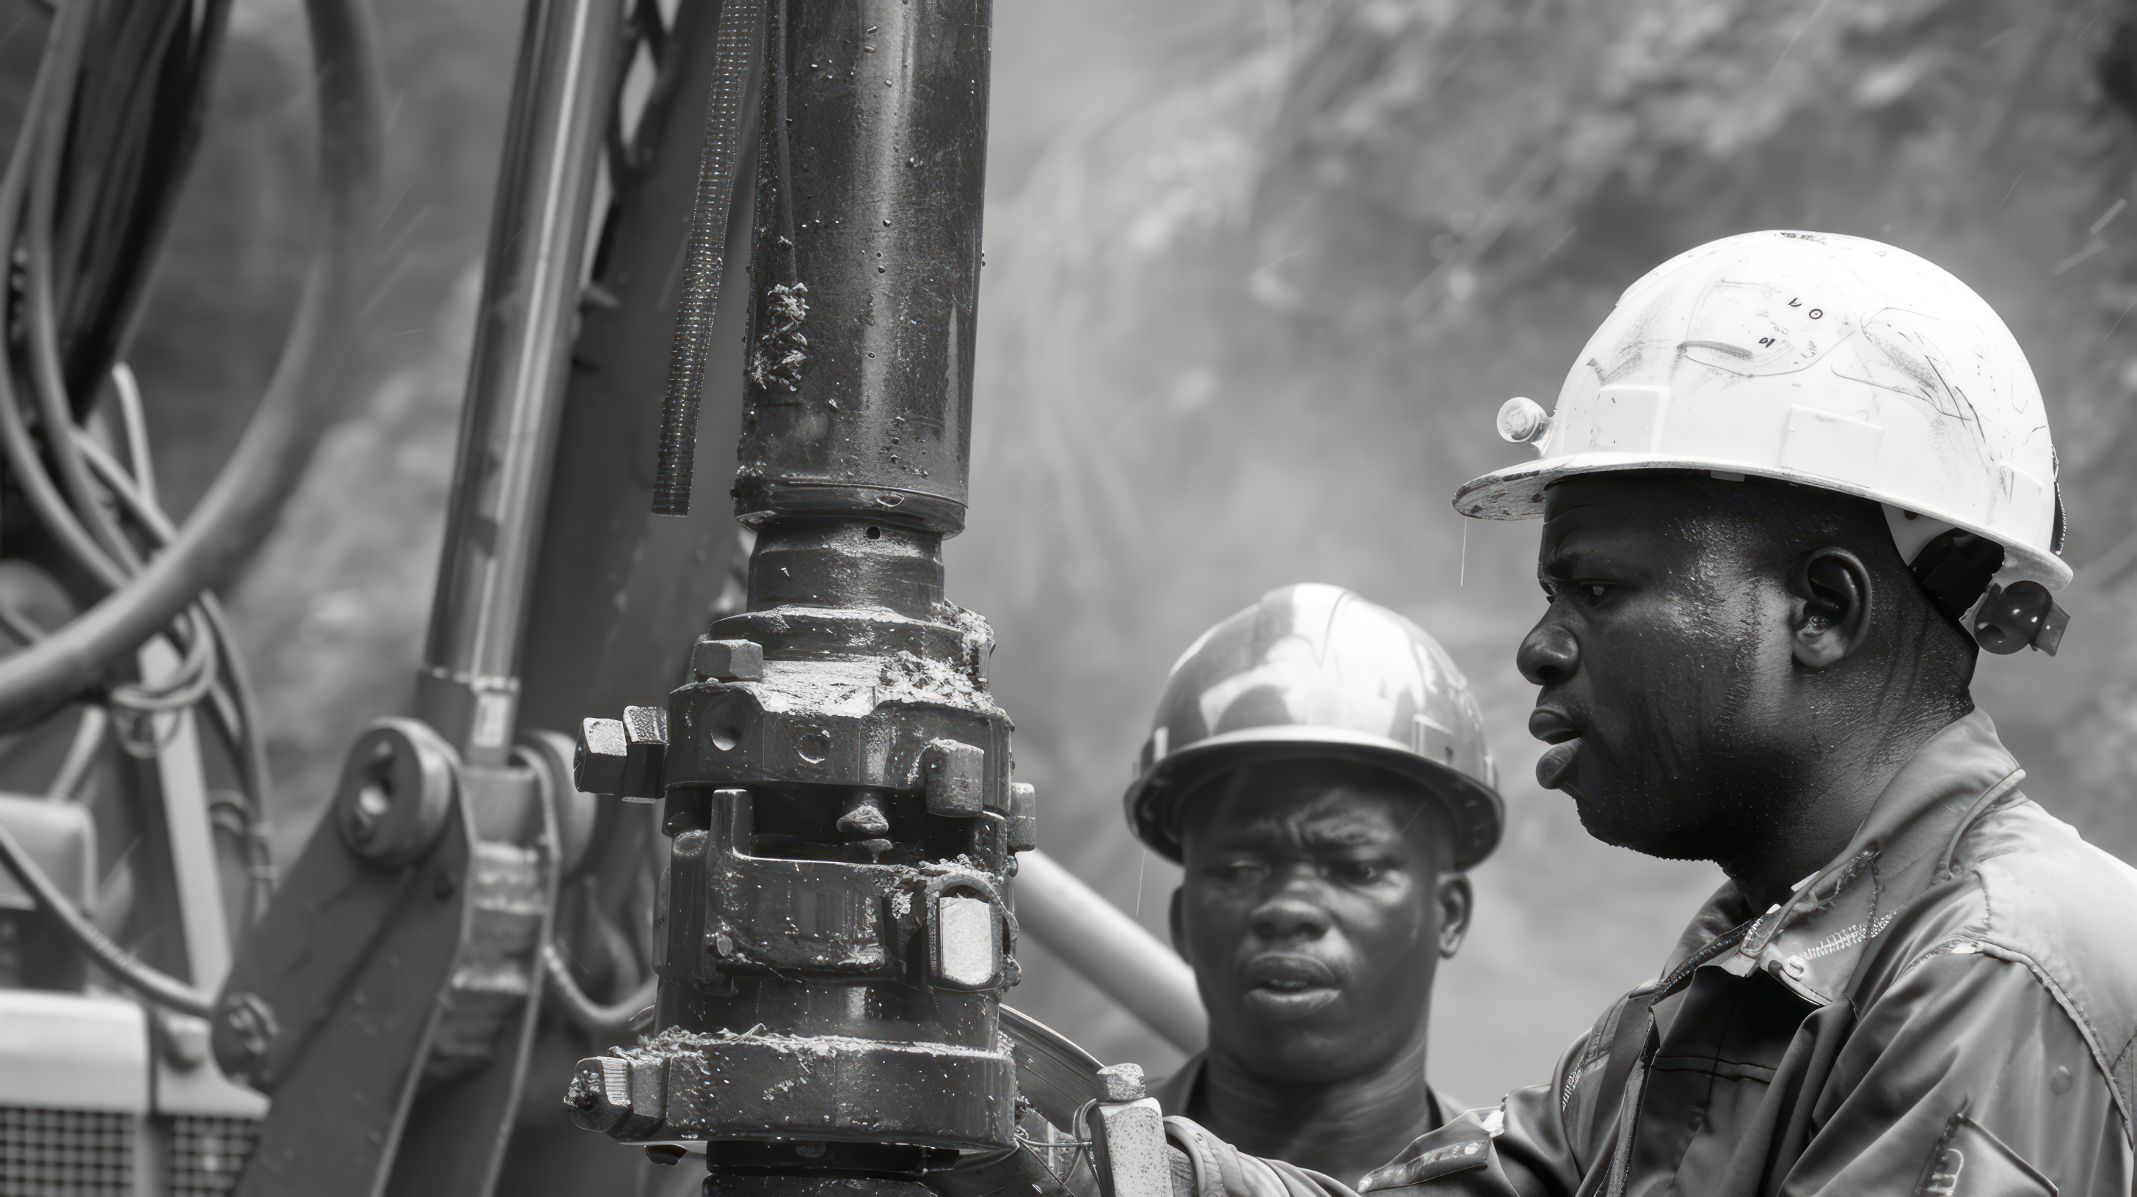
[[1342, 835], [1564, 562], [1598, 549]]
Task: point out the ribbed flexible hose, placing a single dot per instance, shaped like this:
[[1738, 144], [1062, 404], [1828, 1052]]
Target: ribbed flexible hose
[[735, 43]]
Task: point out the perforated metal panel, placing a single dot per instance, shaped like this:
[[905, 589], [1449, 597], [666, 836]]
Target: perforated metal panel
[[66, 1153], [207, 1154]]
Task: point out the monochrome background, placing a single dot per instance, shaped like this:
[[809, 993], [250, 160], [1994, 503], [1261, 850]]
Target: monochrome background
[[1259, 275]]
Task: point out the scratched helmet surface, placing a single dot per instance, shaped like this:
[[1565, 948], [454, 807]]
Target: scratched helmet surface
[[1823, 360], [1316, 671]]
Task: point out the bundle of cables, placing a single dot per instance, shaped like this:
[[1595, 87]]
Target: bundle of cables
[[88, 190]]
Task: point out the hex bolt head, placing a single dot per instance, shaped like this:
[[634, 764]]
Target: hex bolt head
[[599, 1095], [954, 776], [645, 731], [597, 765], [1123, 1082], [727, 661], [245, 1031]]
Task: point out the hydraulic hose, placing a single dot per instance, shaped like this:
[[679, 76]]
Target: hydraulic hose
[[236, 706], [303, 397], [160, 988], [240, 507], [586, 1012]]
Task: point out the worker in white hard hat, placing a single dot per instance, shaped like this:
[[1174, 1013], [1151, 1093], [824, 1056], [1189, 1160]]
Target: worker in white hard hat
[[1789, 486], [1318, 767]]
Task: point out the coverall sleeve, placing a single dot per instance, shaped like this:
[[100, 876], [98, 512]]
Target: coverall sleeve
[[1966, 1076], [1519, 1148]]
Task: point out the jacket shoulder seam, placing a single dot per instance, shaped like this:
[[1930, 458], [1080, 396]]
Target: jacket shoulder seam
[[2124, 1054], [2106, 1064]]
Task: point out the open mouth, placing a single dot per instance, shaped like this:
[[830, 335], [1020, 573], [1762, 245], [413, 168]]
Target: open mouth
[[1288, 987], [1564, 740], [1556, 760]]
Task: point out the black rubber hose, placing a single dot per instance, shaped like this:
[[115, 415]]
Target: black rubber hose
[[31, 179], [586, 1013], [235, 706], [57, 75], [175, 135], [160, 988], [302, 400], [735, 42]]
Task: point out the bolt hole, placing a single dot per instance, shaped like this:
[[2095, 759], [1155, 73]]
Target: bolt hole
[[874, 533], [725, 736], [373, 801]]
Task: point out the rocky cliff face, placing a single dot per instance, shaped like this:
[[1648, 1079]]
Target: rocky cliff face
[[1263, 319]]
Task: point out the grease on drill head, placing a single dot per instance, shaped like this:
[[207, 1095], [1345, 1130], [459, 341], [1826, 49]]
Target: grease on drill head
[[781, 351]]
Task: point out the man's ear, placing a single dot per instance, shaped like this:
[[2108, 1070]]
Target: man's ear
[[1176, 922], [1455, 898], [1830, 615]]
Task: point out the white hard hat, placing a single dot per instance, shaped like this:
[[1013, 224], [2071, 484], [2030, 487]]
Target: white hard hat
[[1828, 361]]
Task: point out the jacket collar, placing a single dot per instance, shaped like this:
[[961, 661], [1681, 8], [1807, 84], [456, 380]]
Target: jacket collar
[[1813, 941], [1176, 1093]]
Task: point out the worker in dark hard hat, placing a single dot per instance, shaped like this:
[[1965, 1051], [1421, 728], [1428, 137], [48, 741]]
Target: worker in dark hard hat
[[1318, 767], [1792, 485]]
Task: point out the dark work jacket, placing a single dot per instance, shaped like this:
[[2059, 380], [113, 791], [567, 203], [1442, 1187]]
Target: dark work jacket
[[1949, 1007], [1176, 1095]]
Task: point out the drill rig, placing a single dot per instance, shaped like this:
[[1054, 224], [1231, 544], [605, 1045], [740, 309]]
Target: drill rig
[[795, 880]]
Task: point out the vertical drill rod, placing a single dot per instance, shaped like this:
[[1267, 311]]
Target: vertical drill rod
[[835, 934]]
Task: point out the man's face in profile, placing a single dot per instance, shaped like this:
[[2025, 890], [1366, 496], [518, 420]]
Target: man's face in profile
[[1314, 908]]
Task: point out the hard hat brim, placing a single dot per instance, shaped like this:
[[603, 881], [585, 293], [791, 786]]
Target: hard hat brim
[[1152, 802], [1516, 492]]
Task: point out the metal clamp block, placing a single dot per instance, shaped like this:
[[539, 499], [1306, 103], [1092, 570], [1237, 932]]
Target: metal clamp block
[[1128, 1139], [965, 942], [1023, 817]]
